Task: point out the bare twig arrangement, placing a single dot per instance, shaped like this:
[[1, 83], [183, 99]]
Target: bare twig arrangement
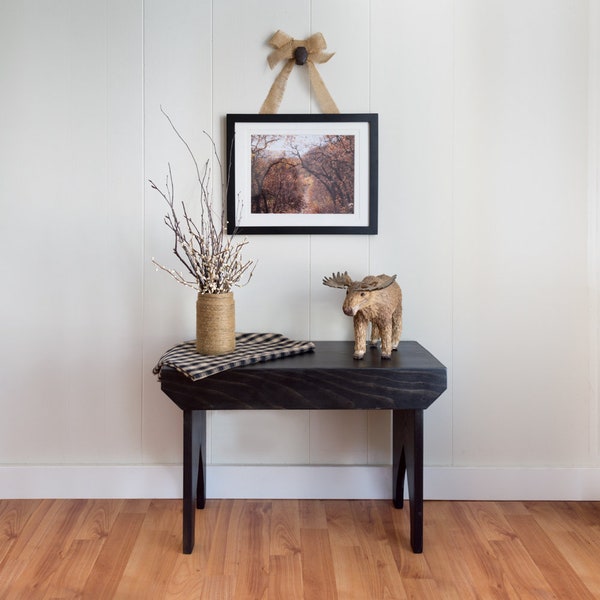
[[212, 259]]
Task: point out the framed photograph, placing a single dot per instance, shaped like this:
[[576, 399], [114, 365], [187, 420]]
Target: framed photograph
[[302, 174]]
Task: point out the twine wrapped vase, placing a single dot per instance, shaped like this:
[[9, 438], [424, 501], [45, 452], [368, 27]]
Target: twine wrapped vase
[[215, 323]]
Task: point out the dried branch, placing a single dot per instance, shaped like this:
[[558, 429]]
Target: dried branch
[[210, 256]]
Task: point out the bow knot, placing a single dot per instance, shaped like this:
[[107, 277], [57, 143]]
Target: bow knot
[[285, 47], [298, 52]]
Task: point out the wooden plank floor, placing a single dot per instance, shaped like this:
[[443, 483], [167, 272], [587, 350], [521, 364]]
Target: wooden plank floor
[[289, 549]]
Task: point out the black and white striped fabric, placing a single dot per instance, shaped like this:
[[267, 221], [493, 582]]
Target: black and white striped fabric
[[250, 348]]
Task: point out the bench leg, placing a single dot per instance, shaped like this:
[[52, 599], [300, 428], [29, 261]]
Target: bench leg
[[407, 426], [194, 461]]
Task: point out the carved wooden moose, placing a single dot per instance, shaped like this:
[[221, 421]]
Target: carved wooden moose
[[376, 300]]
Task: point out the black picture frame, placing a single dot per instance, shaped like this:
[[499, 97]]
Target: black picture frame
[[295, 155]]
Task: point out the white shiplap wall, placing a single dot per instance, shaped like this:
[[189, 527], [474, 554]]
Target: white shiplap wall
[[488, 207]]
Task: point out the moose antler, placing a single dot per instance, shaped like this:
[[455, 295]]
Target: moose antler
[[338, 280], [378, 282]]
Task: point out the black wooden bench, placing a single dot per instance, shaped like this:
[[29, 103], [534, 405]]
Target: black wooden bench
[[328, 378]]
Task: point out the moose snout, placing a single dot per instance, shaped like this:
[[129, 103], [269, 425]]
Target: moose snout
[[348, 310]]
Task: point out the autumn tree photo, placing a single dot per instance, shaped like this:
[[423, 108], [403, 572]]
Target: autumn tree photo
[[302, 174]]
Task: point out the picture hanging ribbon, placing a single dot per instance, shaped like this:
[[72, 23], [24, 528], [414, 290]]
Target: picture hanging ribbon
[[298, 52]]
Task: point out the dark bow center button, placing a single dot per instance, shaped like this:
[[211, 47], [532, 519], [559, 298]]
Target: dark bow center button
[[300, 54]]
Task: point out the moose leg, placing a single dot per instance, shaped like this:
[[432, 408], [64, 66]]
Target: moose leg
[[386, 339], [396, 327], [360, 335], [375, 335]]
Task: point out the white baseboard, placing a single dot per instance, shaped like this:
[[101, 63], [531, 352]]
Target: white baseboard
[[90, 481], [326, 482]]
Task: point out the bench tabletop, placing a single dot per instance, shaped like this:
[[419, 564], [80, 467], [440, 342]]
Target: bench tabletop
[[327, 378]]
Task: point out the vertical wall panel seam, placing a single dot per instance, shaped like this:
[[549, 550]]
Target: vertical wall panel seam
[[310, 249], [209, 420], [310, 260], [144, 234], [106, 208], [452, 226], [370, 84], [310, 32], [594, 224], [370, 238]]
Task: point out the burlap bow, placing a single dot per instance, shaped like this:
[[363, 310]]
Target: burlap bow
[[309, 52]]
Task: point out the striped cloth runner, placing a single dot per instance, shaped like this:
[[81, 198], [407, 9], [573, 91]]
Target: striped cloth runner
[[250, 348]]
